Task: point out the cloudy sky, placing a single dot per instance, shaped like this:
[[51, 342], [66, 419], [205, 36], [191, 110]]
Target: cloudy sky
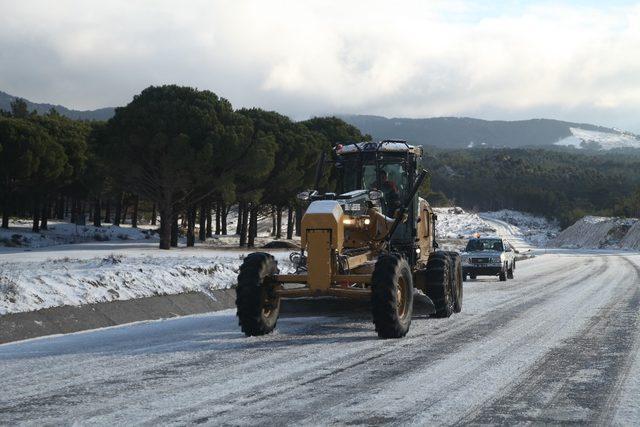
[[571, 60]]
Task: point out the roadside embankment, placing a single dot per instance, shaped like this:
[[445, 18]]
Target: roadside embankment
[[593, 232], [67, 319]]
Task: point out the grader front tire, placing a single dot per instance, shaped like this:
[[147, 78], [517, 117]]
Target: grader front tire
[[392, 296], [257, 306]]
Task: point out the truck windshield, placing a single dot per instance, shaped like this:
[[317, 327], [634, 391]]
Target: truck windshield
[[475, 245]]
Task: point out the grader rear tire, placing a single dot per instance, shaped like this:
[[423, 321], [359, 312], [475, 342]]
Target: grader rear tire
[[392, 296], [257, 306], [438, 286]]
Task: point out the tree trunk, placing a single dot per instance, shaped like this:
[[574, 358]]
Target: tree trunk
[[97, 216], [5, 214], [118, 215], [298, 219], [125, 207], [253, 226], [273, 221], [242, 208], [134, 213], [224, 210], [289, 223], [59, 208], [191, 226], [36, 217], [44, 218], [174, 231], [107, 212], [209, 231], [218, 215], [154, 214], [202, 233], [218, 218], [239, 221], [278, 223], [165, 228], [74, 211]]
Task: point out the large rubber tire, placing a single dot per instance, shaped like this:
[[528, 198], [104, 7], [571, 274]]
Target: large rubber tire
[[438, 283], [392, 296], [257, 305], [503, 274]]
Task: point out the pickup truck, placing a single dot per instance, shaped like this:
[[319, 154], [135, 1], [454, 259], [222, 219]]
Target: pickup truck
[[488, 256]]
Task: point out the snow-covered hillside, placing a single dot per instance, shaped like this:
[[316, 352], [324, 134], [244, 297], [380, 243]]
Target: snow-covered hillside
[[582, 138], [524, 231]]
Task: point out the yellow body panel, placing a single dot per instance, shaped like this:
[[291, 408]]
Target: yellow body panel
[[320, 265], [322, 237]]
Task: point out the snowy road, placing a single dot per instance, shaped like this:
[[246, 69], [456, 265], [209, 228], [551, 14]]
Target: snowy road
[[510, 232], [559, 343]]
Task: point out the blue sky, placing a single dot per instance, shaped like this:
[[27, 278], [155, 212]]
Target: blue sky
[[570, 60]]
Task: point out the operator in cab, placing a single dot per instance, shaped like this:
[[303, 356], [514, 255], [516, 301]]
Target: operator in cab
[[390, 191]]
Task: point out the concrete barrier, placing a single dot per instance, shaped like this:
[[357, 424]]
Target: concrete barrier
[[66, 319]]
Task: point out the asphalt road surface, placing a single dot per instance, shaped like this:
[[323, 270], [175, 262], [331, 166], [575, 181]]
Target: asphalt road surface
[[560, 343]]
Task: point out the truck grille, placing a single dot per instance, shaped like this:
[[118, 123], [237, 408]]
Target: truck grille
[[480, 260]]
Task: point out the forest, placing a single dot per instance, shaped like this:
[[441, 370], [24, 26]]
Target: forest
[[556, 183], [173, 153], [188, 157]]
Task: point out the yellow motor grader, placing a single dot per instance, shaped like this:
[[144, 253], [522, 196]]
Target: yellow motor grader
[[373, 239]]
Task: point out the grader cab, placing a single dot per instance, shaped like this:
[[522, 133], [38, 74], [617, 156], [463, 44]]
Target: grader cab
[[374, 239]]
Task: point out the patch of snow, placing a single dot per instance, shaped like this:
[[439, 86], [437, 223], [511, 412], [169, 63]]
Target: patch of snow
[[522, 230], [40, 279], [455, 223], [581, 138], [20, 235], [596, 232], [530, 229]]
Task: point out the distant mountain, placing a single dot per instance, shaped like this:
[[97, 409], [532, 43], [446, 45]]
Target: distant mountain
[[464, 132], [99, 114]]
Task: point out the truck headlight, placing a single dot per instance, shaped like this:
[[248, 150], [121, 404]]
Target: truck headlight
[[496, 260]]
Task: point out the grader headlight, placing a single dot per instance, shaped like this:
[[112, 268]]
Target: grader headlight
[[356, 222]]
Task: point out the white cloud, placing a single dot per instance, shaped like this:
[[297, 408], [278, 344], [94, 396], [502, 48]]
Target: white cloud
[[411, 58]]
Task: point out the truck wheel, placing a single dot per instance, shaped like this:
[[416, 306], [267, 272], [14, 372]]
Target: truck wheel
[[438, 284], [473, 277], [503, 274], [257, 305], [392, 296]]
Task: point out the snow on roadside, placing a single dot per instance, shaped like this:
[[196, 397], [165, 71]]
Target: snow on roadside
[[19, 234], [534, 230], [456, 224], [596, 232], [31, 285]]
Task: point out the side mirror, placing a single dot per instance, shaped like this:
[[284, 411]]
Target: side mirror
[[375, 195], [304, 196]]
